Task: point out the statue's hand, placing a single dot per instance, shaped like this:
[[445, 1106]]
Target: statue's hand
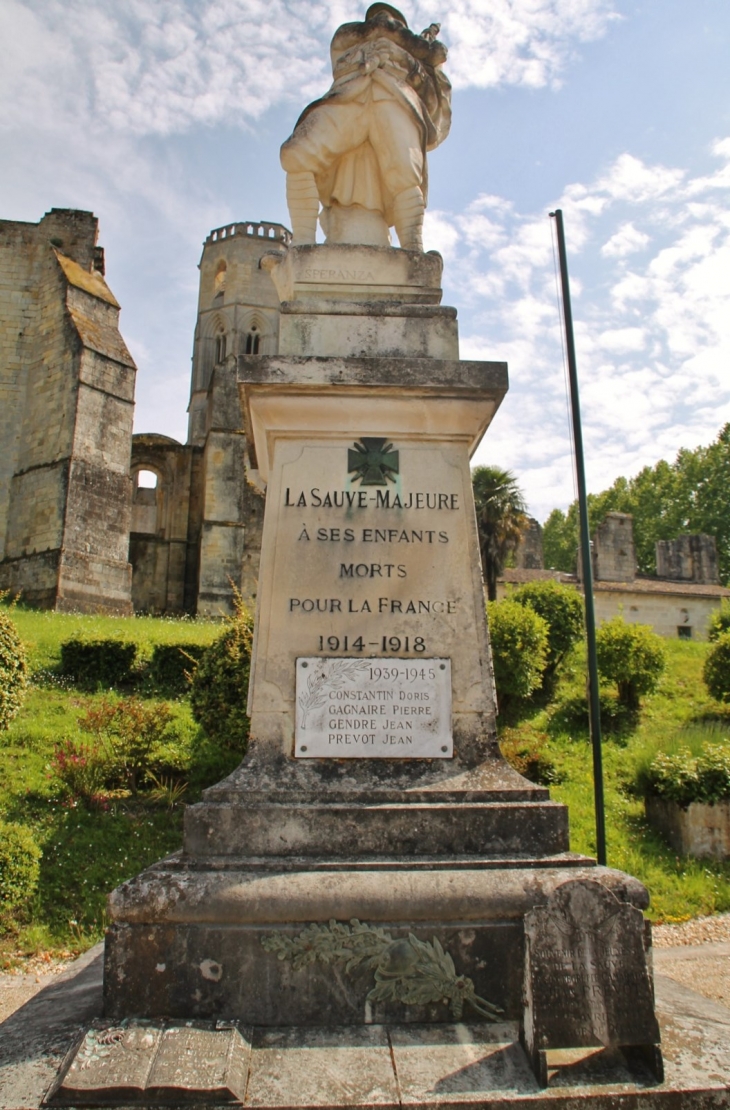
[[430, 32]]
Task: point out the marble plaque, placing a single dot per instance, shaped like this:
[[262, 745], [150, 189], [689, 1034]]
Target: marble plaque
[[587, 981], [376, 708]]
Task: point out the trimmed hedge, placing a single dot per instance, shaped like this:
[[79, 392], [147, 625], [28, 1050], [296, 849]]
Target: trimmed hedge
[[219, 689], [562, 608], [632, 656], [172, 667], [95, 663], [13, 671], [19, 865], [519, 640], [716, 671]]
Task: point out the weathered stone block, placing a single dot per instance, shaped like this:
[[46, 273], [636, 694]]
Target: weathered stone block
[[695, 830]]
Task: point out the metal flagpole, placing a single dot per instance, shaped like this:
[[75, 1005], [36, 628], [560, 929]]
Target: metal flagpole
[[585, 547]]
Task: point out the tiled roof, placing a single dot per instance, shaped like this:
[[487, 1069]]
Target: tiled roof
[[515, 577]]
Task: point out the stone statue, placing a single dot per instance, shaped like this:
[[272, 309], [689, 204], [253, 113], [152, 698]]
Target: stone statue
[[361, 149]]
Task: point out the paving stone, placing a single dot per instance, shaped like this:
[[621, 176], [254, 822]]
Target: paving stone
[[469, 1062], [322, 1067]]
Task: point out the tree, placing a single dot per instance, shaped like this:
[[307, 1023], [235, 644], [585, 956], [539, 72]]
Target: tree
[[501, 519], [632, 656], [561, 607], [666, 500], [519, 639]]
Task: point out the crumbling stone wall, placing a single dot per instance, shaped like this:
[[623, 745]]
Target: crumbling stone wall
[[67, 386], [688, 559], [614, 554], [529, 555], [165, 535]]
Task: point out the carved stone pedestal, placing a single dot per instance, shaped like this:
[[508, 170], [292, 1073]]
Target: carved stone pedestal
[[340, 877]]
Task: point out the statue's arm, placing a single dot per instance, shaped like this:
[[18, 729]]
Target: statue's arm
[[427, 50]]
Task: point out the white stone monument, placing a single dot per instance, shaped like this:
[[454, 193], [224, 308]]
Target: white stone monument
[[373, 792]]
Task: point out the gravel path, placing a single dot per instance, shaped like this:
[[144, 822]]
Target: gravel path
[[32, 974], [700, 930]]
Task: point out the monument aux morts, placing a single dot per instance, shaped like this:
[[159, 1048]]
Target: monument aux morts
[[374, 858]]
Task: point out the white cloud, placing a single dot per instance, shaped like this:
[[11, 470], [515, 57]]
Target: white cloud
[[622, 340], [653, 341], [156, 69], [626, 240]]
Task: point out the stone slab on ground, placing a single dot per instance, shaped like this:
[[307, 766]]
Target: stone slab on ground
[[704, 968], [35, 1039], [448, 1066]]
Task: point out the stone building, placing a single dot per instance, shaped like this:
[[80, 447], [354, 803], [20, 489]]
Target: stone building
[[677, 603], [528, 555], [67, 393], [197, 513]]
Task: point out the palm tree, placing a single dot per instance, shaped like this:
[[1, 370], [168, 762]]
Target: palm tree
[[501, 519]]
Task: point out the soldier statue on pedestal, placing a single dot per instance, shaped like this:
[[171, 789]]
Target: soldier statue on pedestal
[[361, 149]]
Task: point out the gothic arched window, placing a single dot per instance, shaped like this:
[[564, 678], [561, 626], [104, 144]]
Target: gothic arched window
[[220, 347], [220, 278], [253, 340]]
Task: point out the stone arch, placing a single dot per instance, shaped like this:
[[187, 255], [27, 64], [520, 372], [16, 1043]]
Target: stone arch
[[146, 499], [216, 343], [219, 280]]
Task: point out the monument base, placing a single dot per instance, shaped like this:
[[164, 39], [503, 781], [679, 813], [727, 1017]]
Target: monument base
[[234, 939]]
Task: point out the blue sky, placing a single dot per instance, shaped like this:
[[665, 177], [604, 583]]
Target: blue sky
[[165, 119]]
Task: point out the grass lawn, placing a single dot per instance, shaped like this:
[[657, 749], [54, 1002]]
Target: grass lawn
[[679, 714], [87, 851]]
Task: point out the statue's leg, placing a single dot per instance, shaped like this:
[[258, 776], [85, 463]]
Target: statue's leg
[[408, 210], [328, 132], [396, 139], [303, 202]]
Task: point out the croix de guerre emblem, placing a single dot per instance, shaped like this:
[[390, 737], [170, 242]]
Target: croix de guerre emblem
[[373, 460]]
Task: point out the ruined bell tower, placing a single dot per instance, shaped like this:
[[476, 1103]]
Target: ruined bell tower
[[197, 533]]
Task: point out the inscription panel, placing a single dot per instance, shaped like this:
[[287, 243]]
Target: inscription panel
[[377, 708], [352, 569], [586, 975]]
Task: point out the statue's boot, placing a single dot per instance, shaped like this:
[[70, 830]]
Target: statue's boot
[[303, 201], [408, 209]]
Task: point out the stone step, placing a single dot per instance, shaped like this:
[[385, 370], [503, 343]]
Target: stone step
[[195, 943], [481, 828]]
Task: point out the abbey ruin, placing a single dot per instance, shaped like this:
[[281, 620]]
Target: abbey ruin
[[94, 518]]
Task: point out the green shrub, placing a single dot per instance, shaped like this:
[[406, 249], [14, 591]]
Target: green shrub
[[133, 733], [84, 768], [685, 778], [632, 656], [19, 865], [716, 671], [220, 685], [95, 663], [172, 666], [719, 622], [13, 671], [529, 755], [519, 649], [562, 608]]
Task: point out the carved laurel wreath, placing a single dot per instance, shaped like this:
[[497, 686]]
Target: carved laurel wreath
[[407, 970], [334, 676]]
